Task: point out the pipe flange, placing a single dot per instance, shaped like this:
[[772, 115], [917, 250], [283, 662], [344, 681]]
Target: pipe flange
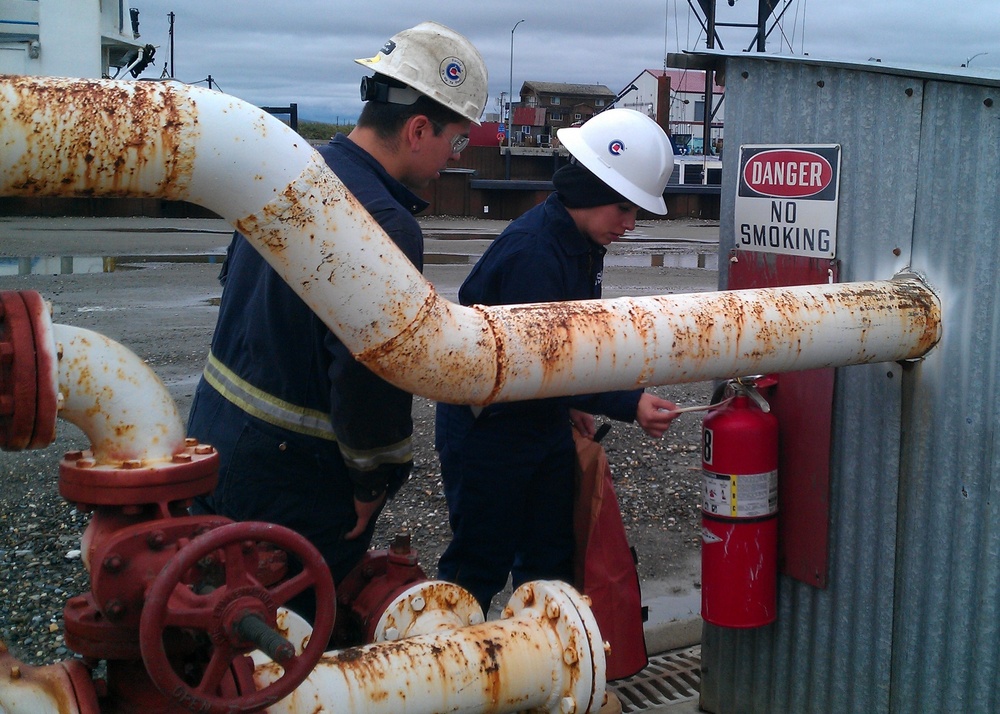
[[427, 607], [46, 370], [89, 633], [193, 471], [28, 385], [567, 614]]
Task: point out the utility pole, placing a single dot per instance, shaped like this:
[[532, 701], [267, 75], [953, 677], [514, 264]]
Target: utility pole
[[764, 10], [706, 134], [510, 97], [170, 17]]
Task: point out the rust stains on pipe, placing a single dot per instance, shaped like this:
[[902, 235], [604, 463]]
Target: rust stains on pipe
[[129, 133]]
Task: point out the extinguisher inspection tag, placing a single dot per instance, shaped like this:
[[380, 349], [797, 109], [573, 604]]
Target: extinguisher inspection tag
[[740, 495]]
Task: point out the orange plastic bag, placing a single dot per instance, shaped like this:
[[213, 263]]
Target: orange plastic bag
[[605, 564]]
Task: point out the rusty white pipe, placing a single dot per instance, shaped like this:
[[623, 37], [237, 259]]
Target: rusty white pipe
[[544, 655], [115, 399], [85, 137]]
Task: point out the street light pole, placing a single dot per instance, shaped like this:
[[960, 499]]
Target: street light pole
[[510, 96], [974, 57]]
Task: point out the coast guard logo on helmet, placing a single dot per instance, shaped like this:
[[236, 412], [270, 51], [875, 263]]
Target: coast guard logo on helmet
[[388, 47], [616, 147], [452, 71]]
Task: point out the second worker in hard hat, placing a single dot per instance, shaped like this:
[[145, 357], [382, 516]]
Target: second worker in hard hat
[[508, 469], [308, 437]]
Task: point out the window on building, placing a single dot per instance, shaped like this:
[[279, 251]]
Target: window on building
[[699, 110], [599, 102], [554, 100], [555, 116], [577, 116]]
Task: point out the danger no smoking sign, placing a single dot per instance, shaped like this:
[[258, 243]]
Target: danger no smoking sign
[[787, 199]]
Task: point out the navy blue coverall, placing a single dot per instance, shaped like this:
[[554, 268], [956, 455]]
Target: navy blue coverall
[[301, 427], [508, 472]]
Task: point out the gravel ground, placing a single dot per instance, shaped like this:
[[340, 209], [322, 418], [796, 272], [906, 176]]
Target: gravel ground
[[164, 312]]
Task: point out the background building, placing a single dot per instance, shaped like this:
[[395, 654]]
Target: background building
[[675, 98], [563, 104], [70, 38]]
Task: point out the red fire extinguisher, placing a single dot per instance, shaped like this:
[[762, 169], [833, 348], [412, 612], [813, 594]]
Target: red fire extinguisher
[[739, 552]]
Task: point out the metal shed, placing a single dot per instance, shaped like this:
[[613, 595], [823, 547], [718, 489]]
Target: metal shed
[[909, 619]]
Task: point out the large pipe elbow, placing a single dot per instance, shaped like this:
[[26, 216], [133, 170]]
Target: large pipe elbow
[[86, 137], [49, 370], [115, 399]]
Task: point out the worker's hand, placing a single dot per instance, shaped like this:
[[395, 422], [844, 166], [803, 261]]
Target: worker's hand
[[583, 422], [654, 414], [365, 511]]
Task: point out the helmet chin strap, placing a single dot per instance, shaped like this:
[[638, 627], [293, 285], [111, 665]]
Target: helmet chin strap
[[376, 89]]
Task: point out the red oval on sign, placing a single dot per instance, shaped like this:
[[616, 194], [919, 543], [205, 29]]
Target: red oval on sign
[[787, 173]]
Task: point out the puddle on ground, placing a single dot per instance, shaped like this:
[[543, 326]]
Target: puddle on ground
[[83, 264], [706, 261], [674, 606], [458, 235], [89, 264], [449, 259]]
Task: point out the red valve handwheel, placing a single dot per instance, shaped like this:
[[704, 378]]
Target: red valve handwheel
[[171, 602]]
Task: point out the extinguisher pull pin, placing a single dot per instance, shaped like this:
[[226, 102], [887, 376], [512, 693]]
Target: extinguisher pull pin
[[700, 407]]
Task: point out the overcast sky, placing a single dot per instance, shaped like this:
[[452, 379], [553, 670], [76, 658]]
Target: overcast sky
[[275, 53]]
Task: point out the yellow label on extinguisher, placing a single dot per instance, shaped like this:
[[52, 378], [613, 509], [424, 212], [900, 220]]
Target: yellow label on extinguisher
[[740, 495]]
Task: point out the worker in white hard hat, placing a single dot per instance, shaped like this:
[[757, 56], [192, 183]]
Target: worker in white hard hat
[[508, 469], [308, 437]]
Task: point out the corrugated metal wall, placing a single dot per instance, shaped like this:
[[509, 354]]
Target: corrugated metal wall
[[946, 644], [910, 620]]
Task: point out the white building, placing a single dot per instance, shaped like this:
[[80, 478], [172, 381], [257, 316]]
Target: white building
[[69, 38], [683, 105]]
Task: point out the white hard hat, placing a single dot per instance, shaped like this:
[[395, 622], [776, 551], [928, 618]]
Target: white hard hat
[[626, 150], [437, 62]]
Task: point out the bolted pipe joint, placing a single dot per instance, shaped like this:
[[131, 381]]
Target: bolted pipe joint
[[28, 390]]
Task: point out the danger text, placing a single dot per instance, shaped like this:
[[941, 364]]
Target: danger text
[[765, 174]]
